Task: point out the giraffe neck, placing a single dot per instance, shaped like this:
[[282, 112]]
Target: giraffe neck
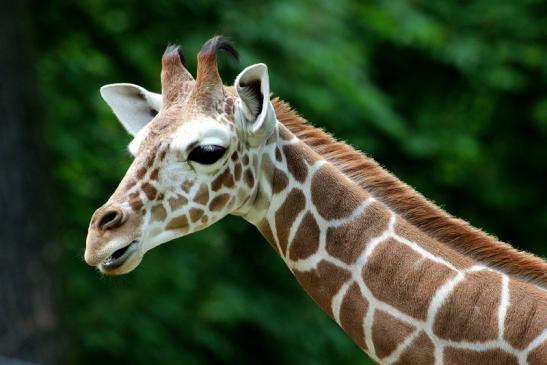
[[401, 295]]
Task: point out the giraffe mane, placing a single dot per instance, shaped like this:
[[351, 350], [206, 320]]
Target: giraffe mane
[[413, 206]]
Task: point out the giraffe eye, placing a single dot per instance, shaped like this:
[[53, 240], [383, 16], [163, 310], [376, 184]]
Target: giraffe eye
[[207, 154]]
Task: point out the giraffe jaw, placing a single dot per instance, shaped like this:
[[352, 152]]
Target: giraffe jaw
[[123, 260]]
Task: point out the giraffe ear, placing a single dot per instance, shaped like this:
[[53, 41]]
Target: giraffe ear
[[133, 105], [253, 109]]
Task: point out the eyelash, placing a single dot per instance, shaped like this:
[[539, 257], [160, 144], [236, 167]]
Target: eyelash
[[207, 154]]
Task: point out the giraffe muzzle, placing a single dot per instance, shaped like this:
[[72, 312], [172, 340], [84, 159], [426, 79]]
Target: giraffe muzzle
[[119, 257]]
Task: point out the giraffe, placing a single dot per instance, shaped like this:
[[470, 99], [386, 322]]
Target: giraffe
[[409, 283]]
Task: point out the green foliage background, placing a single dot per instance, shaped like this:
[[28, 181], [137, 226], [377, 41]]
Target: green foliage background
[[450, 95]]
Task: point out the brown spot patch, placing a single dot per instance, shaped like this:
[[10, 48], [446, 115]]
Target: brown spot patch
[[249, 178], [266, 230], [204, 219], [150, 159], [267, 168], [223, 179], [159, 213], [347, 242], [388, 332], [404, 229], [306, 239], [177, 201], [285, 215], [202, 196], [332, 196], [279, 181], [245, 160], [352, 313], [229, 107], [186, 186], [195, 214], [454, 356], [392, 263], [140, 173], [130, 184], [180, 222], [538, 355], [155, 175], [295, 162], [237, 171], [526, 315], [323, 283], [162, 154], [278, 154], [135, 201], [285, 134], [474, 300], [219, 202], [421, 351], [149, 190], [234, 156]]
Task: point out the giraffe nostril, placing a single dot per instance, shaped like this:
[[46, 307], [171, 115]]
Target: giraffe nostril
[[110, 219]]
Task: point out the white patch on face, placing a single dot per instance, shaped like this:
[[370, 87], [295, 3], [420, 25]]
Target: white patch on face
[[201, 131], [173, 174], [164, 236]]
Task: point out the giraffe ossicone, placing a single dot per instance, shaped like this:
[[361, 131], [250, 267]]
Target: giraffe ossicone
[[408, 282]]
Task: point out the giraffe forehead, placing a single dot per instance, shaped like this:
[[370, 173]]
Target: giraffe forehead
[[202, 130], [182, 134], [179, 119]]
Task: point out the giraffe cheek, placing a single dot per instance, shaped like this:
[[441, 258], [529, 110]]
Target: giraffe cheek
[[196, 214], [202, 196], [177, 202], [158, 213], [186, 186], [154, 232], [218, 202], [178, 223]]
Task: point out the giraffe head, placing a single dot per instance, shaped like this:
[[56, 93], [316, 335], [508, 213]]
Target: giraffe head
[[195, 151]]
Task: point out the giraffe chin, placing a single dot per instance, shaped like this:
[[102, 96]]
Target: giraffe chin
[[122, 260]]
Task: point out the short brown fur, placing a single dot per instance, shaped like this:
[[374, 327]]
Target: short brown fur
[[411, 205]]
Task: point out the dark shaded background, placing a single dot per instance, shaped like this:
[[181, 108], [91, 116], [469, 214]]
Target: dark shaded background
[[451, 96]]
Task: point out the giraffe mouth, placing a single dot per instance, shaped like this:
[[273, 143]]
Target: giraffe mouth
[[119, 257]]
